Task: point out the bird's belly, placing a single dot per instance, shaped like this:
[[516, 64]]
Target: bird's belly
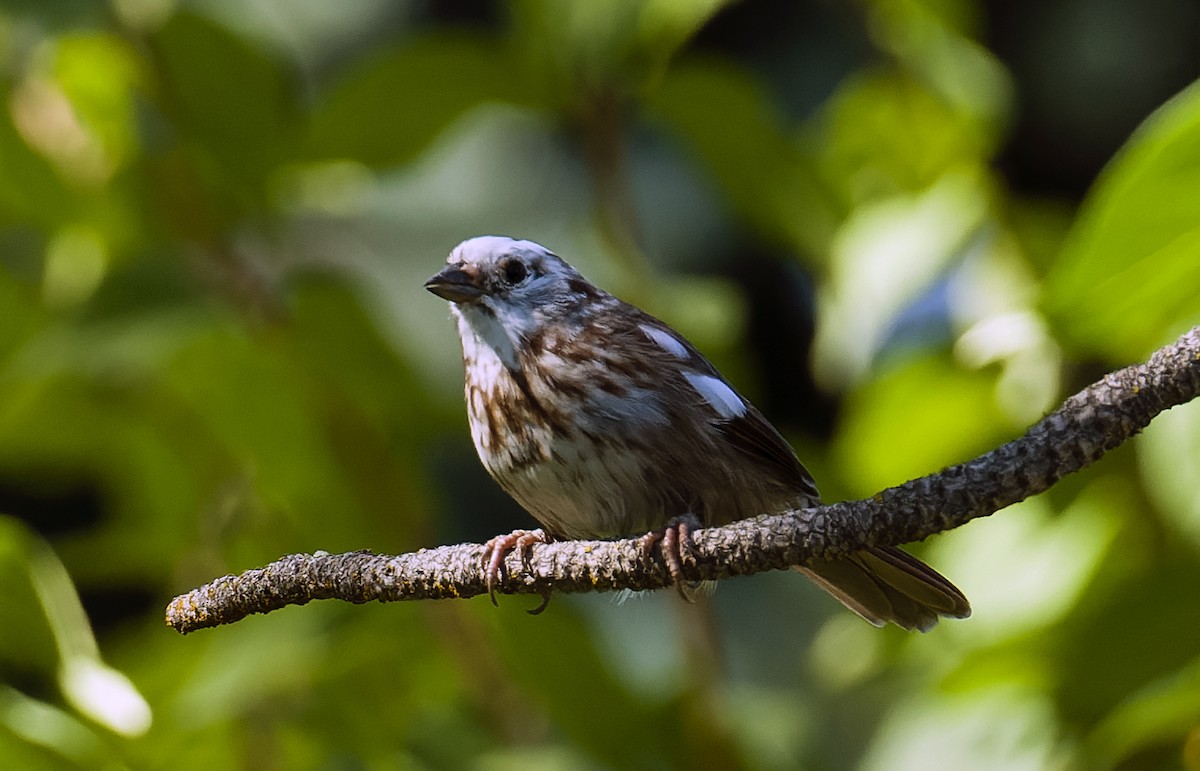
[[581, 489]]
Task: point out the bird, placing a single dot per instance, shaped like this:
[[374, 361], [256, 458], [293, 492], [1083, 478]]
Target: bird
[[604, 422]]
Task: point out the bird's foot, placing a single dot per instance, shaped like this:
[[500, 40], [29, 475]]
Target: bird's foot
[[496, 549], [676, 538]]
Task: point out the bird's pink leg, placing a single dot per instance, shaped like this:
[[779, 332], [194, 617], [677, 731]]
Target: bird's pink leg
[[676, 538], [496, 549]]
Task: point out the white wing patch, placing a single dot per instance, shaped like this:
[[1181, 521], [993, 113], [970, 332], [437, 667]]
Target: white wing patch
[[666, 341], [718, 394]]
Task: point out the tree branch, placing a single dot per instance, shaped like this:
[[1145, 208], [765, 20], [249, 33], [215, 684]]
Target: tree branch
[[1074, 436]]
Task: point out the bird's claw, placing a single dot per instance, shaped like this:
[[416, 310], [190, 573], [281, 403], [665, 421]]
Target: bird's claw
[[676, 538], [496, 549]]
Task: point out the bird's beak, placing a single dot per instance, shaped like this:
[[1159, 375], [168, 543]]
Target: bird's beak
[[455, 284]]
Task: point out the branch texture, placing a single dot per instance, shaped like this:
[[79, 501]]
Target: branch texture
[[1074, 436]]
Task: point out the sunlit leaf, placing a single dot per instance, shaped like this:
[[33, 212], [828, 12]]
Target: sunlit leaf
[[865, 154], [1026, 570], [916, 418], [98, 74], [1015, 725], [1169, 457], [29, 568], [104, 695], [962, 73], [887, 258], [65, 738], [1129, 274]]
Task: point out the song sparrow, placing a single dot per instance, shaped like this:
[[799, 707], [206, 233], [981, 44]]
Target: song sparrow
[[602, 421]]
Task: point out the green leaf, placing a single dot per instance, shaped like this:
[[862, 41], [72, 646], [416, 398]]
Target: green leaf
[[554, 657], [98, 72], [580, 50], [28, 643], [1136, 633], [1129, 274], [1152, 717], [31, 191], [920, 416], [226, 95], [253, 403], [867, 158], [725, 117], [388, 109]]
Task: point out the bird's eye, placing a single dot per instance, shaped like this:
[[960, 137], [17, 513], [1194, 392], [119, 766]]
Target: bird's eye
[[514, 272]]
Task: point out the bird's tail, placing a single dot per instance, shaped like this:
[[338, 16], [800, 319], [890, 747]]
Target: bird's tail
[[888, 584]]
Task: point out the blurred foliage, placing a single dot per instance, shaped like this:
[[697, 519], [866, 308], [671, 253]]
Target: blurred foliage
[[215, 218]]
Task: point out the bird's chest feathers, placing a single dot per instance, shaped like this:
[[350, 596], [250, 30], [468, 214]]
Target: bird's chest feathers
[[487, 348], [509, 427], [568, 435]]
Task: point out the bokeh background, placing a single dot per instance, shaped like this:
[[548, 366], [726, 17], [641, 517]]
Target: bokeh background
[[904, 228]]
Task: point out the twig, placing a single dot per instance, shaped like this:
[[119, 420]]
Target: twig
[[1074, 436]]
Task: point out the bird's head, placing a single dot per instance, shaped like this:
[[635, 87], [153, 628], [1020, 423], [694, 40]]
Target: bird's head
[[521, 284]]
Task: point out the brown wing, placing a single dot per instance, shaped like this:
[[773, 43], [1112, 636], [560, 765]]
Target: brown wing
[[755, 436], [750, 433]]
